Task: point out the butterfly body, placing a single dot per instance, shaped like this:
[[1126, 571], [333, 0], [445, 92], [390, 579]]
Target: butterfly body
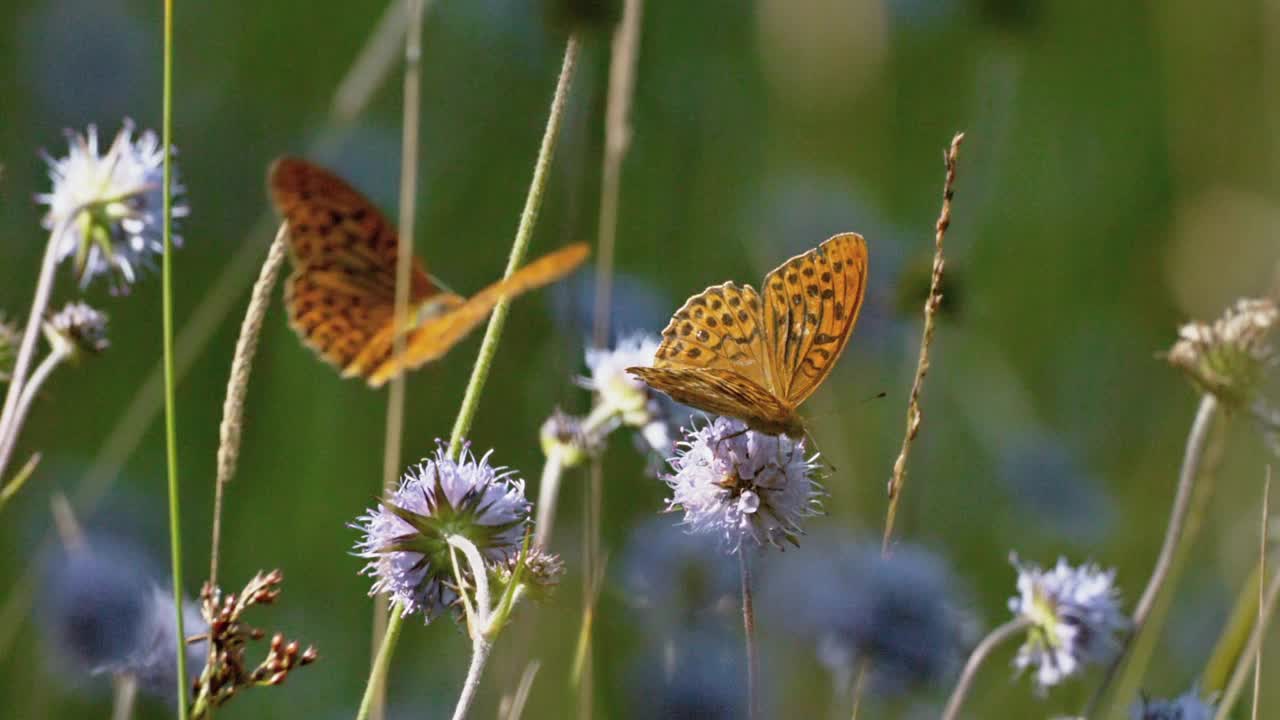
[[736, 352], [340, 297]]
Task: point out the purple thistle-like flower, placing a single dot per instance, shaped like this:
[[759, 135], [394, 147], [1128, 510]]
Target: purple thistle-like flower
[[1074, 614], [742, 485], [1188, 706], [406, 537], [113, 203]]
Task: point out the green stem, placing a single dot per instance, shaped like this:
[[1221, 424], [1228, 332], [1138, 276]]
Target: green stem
[[749, 636], [489, 346], [979, 655], [519, 248], [170, 421]]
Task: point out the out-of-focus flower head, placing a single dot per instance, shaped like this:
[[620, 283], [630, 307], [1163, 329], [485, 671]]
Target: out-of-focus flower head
[[110, 205], [1188, 706], [77, 330], [105, 612], [673, 578], [624, 399], [1230, 356], [903, 616], [10, 338], [539, 574], [1074, 615], [694, 673], [406, 538], [744, 486]]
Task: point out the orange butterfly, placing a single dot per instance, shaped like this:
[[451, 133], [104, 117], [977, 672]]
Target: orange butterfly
[[341, 295], [728, 353]]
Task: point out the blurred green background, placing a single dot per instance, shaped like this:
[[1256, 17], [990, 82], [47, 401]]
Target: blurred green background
[[1121, 175]]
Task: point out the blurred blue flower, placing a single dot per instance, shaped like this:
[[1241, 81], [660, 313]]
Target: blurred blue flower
[[104, 610], [108, 207], [1046, 479], [1189, 706], [696, 674], [903, 614], [674, 576], [405, 539], [1074, 615], [743, 486]]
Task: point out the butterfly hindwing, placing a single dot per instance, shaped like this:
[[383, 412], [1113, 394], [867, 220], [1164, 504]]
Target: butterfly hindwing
[[811, 305], [719, 328], [723, 392]]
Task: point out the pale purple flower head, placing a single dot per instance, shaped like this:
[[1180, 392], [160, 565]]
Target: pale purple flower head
[[743, 486], [1074, 615], [406, 537], [112, 202], [77, 330], [624, 399], [1188, 706]]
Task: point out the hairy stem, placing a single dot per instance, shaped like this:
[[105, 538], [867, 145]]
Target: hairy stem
[[489, 346], [979, 655]]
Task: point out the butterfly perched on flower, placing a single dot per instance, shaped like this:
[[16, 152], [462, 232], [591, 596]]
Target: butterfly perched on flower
[[731, 351], [341, 296]]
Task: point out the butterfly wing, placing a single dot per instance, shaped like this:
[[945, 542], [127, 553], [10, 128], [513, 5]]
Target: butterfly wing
[[341, 293], [720, 328], [811, 303], [446, 326], [719, 391]]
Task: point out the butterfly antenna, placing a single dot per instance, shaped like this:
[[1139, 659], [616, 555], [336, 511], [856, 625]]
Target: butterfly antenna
[[441, 284]]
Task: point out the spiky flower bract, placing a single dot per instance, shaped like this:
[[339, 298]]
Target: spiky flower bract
[[1074, 616], [112, 202], [744, 486], [1188, 706], [77, 330], [405, 539]]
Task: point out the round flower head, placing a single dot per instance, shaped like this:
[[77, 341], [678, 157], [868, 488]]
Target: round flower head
[[406, 537], [625, 396], [1074, 615], [1189, 706], [112, 203], [77, 330], [743, 485], [1230, 356]]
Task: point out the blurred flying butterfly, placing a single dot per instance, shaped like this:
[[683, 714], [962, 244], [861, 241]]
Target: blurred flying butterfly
[[730, 352], [341, 295]]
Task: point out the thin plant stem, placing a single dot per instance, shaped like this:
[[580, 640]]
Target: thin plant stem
[[617, 140], [392, 443], [480, 649], [899, 477], [232, 426], [170, 379], [42, 372], [521, 697], [27, 348], [519, 248], [998, 637], [1262, 595], [859, 678], [548, 493], [361, 80], [123, 697], [749, 636], [24, 474], [1252, 649], [584, 663], [488, 346], [1230, 644], [1193, 462]]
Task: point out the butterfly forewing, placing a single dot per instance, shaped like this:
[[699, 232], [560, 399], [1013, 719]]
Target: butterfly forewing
[[811, 305], [435, 335], [719, 328]]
